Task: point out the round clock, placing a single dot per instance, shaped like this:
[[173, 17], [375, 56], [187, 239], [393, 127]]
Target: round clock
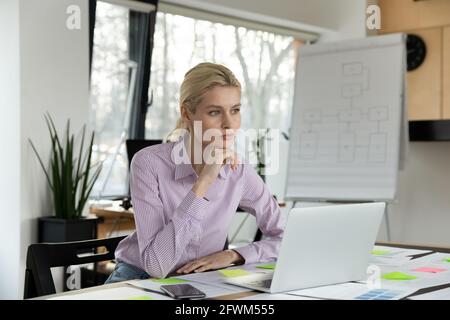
[[416, 51]]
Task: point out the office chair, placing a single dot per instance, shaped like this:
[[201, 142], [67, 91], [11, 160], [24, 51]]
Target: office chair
[[43, 256]]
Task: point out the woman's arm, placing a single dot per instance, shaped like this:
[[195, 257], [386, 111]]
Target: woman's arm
[[258, 201], [161, 243]]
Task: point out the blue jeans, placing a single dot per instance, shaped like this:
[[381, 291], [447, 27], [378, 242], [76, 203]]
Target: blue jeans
[[124, 271]]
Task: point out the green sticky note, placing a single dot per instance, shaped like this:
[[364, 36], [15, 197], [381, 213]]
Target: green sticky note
[[447, 259], [270, 266], [234, 273], [379, 252], [140, 298], [398, 276], [170, 281]]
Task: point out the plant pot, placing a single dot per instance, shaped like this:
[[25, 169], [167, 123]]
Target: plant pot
[[52, 229]]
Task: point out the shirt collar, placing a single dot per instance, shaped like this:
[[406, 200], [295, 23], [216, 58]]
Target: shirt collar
[[183, 166]]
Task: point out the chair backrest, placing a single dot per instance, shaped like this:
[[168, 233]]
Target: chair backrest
[[134, 145], [43, 256]]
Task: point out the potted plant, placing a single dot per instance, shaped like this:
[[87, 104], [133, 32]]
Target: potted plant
[[70, 177]]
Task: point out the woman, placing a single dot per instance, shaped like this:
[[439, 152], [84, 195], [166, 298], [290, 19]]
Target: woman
[[184, 203]]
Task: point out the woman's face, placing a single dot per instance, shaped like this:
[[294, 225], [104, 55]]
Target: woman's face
[[219, 110]]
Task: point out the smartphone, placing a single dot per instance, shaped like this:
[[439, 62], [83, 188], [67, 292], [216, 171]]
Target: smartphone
[[182, 291]]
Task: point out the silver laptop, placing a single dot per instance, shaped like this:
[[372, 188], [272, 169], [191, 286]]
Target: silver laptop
[[321, 246]]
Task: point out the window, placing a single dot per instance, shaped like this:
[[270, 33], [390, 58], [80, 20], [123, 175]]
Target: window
[[109, 92], [121, 51], [264, 62]]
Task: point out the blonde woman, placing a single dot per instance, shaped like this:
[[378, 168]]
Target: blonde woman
[[183, 209]]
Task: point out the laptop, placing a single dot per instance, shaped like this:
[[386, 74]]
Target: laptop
[[321, 246]]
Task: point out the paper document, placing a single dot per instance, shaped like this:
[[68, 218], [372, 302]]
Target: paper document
[[277, 296], [211, 283], [353, 291], [120, 293], [424, 272]]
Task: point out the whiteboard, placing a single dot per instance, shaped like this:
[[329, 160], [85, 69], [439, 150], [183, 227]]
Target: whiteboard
[[348, 112]]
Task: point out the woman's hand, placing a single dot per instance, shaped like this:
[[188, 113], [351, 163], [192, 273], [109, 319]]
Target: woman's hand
[[217, 260], [216, 157]]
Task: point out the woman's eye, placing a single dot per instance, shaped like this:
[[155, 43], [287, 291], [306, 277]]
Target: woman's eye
[[235, 110], [214, 113]]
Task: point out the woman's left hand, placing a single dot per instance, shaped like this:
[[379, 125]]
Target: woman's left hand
[[217, 260]]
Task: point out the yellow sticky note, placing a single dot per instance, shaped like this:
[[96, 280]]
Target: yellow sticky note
[[170, 281], [234, 273], [140, 298], [379, 252], [398, 276], [270, 266]]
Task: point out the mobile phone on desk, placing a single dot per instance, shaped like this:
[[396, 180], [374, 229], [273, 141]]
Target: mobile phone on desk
[[182, 291]]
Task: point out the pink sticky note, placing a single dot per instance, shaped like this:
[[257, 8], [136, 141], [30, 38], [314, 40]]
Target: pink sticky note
[[430, 270]]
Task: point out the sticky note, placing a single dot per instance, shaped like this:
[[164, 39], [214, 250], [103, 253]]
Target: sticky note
[[447, 259], [234, 273], [170, 281], [379, 252], [140, 298], [429, 270], [398, 276], [270, 266]]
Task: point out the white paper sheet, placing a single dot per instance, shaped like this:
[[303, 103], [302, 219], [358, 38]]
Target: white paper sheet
[[120, 293], [278, 296], [422, 279], [218, 279], [353, 291], [210, 290], [347, 120], [395, 252]]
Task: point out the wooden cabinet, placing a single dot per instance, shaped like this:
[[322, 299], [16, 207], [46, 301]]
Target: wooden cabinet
[[429, 85], [446, 73], [404, 15], [424, 85]]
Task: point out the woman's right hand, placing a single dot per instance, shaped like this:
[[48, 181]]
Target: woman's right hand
[[215, 159]]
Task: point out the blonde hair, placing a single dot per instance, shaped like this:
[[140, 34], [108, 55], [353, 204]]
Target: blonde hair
[[197, 81]]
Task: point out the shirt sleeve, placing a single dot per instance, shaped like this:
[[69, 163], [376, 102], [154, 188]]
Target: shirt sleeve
[[258, 201], [161, 243]]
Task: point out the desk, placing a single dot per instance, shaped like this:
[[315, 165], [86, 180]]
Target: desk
[[114, 218], [252, 293]]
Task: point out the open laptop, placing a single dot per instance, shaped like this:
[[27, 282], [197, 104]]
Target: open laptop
[[321, 246]]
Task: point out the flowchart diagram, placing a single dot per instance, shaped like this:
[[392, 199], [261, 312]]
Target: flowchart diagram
[[355, 83]]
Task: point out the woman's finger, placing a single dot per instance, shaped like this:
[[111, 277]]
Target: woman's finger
[[185, 267], [204, 268], [194, 266]]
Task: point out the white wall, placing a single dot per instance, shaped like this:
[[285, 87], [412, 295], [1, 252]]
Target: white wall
[[53, 64], [334, 19], [10, 146], [422, 212]]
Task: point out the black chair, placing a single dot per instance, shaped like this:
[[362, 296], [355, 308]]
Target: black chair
[[43, 256]]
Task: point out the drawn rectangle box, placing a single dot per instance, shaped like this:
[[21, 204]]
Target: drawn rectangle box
[[308, 145], [377, 147], [351, 90], [350, 115], [352, 69], [378, 113], [347, 146]]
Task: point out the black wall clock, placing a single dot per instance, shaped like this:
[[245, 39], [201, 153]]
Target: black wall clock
[[416, 51]]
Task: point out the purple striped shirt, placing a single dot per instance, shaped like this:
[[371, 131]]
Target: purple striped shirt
[[175, 226]]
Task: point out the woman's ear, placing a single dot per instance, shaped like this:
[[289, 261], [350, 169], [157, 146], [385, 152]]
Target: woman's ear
[[184, 114]]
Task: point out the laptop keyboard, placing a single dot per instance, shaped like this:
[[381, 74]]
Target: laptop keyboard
[[262, 283]]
